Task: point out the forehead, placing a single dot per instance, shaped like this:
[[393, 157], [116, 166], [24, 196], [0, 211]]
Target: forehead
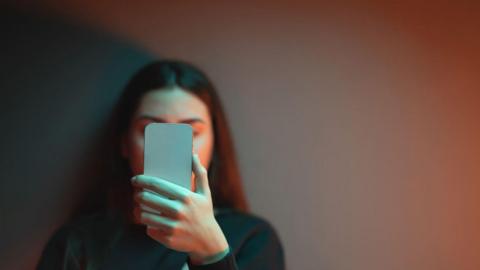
[[172, 104]]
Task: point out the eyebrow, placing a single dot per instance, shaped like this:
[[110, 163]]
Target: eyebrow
[[160, 120]]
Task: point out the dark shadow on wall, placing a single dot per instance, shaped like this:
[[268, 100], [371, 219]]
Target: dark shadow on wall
[[59, 82]]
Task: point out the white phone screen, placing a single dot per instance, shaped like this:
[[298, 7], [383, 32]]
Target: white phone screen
[[168, 152]]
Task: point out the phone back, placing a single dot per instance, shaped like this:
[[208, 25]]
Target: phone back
[[168, 152]]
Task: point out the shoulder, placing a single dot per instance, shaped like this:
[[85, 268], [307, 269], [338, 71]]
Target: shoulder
[[253, 240], [68, 241], [241, 221], [242, 229]]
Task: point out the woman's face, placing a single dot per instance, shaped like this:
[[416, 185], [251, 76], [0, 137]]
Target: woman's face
[[172, 105]]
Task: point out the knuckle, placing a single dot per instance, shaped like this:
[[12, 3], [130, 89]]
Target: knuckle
[[188, 199], [176, 212], [169, 230], [176, 230], [142, 196], [144, 217]]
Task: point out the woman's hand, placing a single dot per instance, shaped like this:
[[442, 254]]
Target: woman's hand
[[186, 222]]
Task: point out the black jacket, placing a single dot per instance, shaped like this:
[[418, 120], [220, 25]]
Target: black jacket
[[102, 242]]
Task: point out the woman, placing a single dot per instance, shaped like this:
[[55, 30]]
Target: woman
[[206, 227]]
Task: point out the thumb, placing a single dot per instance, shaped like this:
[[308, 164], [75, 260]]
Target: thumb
[[201, 176]]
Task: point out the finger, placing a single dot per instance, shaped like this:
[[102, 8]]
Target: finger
[[138, 210], [160, 222], [201, 176], [170, 208], [161, 186], [149, 209]]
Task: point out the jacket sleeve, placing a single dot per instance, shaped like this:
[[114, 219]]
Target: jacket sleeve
[[261, 249], [226, 263]]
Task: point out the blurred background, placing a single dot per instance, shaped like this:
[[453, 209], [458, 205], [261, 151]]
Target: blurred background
[[356, 124]]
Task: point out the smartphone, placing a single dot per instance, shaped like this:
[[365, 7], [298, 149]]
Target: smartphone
[[168, 152]]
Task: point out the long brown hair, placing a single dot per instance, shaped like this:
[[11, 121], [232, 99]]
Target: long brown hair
[[223, 172]]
